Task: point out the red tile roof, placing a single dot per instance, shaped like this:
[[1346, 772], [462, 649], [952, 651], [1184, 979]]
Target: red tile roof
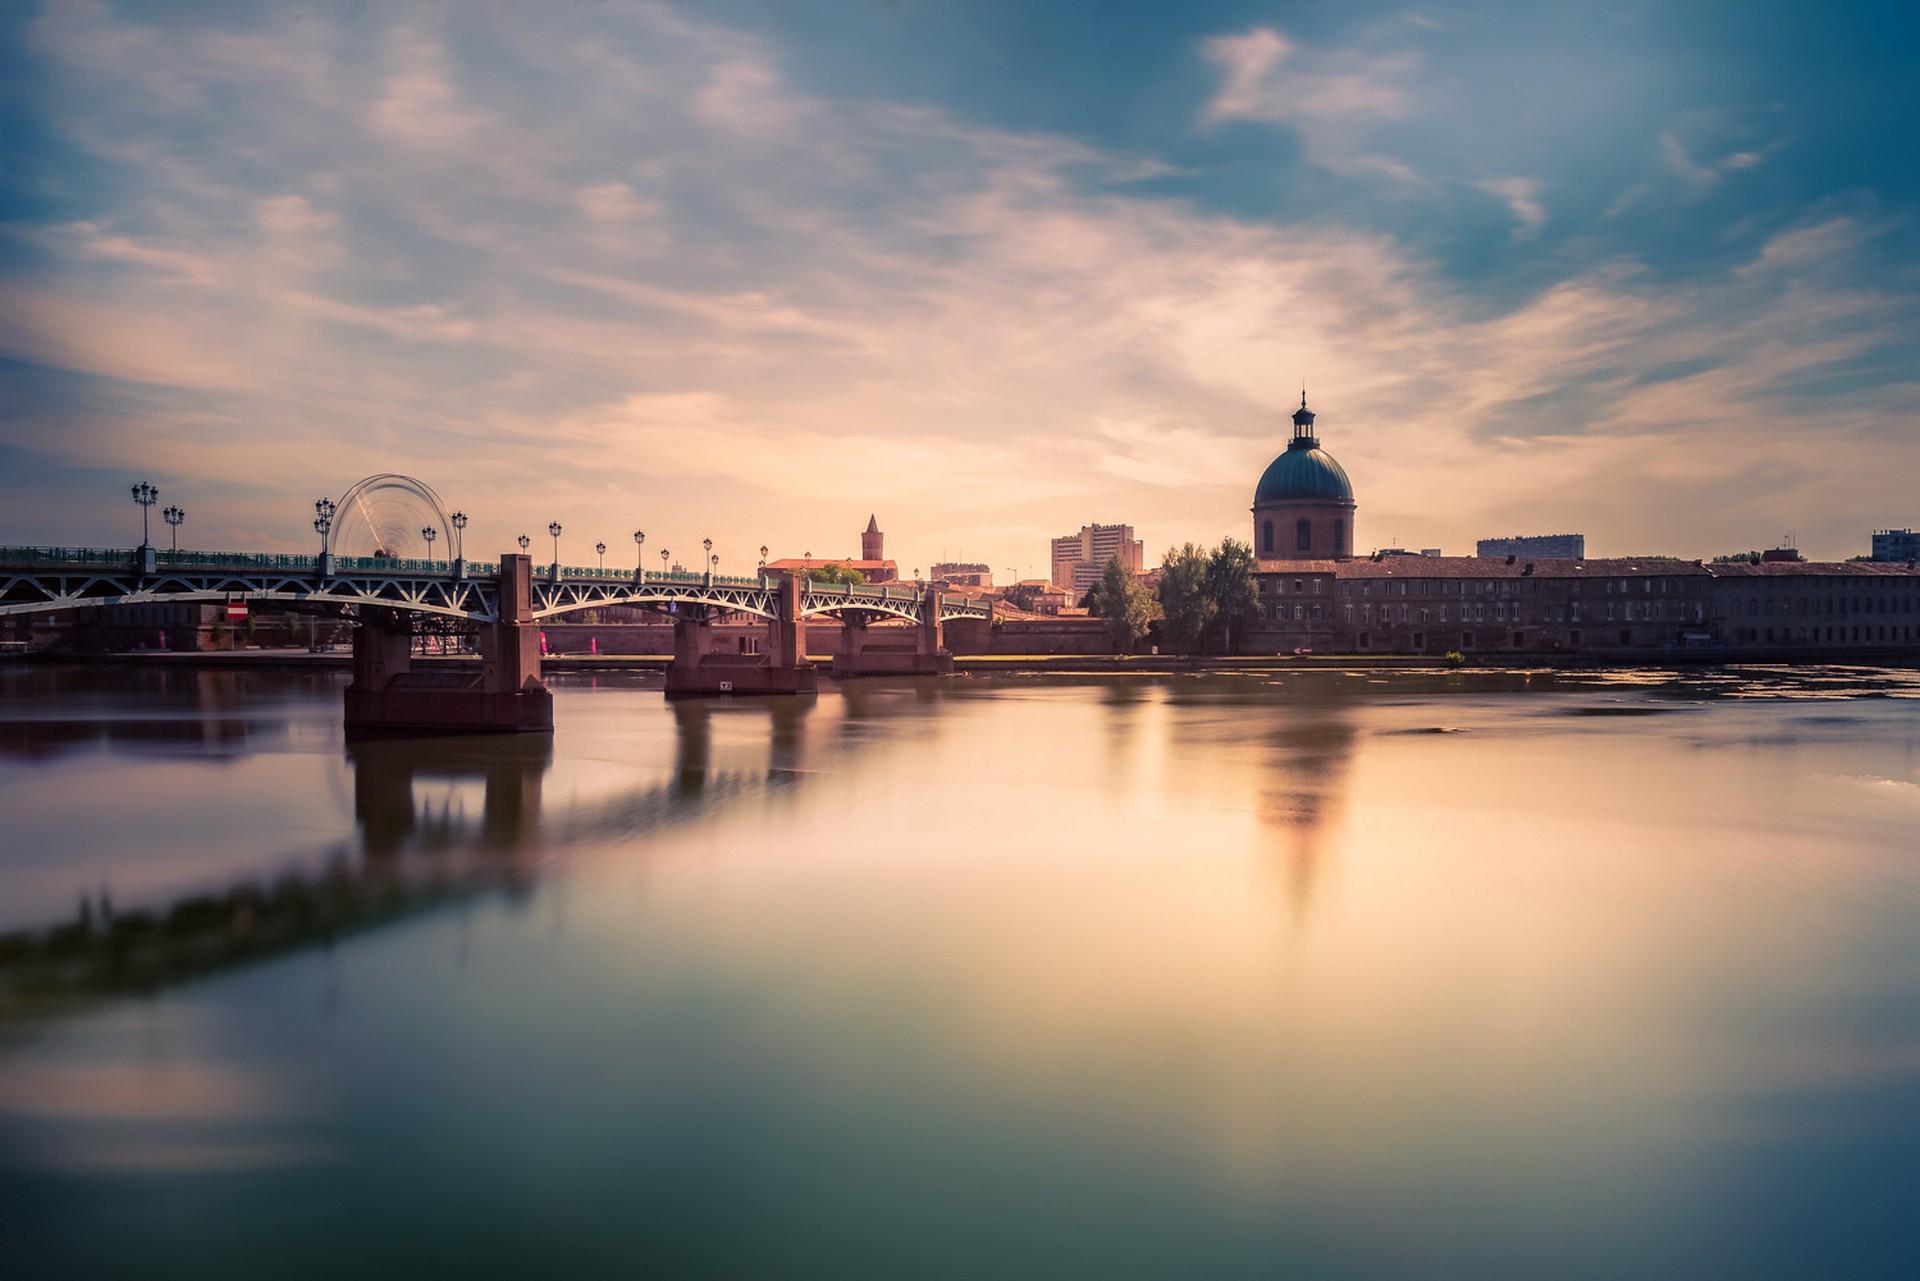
[[817, 562]]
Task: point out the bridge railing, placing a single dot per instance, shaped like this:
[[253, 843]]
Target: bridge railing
[[397, 565], [122, 558], [595, 574], [88, 557], [861, 591]]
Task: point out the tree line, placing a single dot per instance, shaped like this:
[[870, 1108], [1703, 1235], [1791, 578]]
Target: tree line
[[1203, 595]]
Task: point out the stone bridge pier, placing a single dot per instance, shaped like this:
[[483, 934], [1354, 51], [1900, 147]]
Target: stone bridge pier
[[917, 649], [698, 669], [506, 695]]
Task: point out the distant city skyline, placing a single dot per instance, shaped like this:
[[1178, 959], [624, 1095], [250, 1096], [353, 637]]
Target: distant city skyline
[[746, 273]]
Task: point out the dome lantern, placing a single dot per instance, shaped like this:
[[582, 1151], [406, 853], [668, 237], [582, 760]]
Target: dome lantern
[[1303, 437]]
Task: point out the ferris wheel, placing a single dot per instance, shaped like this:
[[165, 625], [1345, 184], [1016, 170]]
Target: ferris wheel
[[387, 515]]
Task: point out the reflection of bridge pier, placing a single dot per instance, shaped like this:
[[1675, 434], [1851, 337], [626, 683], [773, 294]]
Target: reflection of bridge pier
[[505, 695], [385, 769], [418, 855]]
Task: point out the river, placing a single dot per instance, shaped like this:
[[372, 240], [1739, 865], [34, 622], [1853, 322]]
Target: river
[[1367, 974]]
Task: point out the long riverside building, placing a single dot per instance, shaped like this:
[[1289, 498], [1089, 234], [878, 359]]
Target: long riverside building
[[1432, 604], [1630, 607]]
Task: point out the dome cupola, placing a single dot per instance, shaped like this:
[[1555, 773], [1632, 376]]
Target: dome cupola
[[1305, 472], [1303, 505]]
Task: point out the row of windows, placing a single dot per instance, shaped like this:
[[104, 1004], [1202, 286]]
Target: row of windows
[[1423, 614], [1813, 635], [1419, 641], [1756, 607]]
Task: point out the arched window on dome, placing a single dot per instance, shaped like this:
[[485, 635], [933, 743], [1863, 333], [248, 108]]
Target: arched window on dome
[[1339, 538], [1266, 537], [1303, 535]]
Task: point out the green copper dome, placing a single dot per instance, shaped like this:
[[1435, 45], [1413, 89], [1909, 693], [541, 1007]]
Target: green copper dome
[[1305, 473]]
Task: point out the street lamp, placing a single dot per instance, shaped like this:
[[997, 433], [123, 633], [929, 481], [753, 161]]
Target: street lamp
[[524, 542], [146, 495], [713, 564], [553, 527], [429, 533], [601, 549], [323, 510], [459, 522], [663, 559], [173, 516], [707, 543], [639, 566]]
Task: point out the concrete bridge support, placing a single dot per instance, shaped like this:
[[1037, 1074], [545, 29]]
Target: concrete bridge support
[[506, 695], [698, 671], [914, 650]]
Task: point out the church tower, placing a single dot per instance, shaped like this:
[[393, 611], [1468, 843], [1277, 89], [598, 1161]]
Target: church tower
[[873, 542]]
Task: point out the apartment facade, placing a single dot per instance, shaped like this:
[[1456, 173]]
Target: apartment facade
[[1080, 559]]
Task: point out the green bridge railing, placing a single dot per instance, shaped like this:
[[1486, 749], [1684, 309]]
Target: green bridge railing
[[121, 559]]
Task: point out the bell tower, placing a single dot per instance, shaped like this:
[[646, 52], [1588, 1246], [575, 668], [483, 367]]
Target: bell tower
[[873, 542]]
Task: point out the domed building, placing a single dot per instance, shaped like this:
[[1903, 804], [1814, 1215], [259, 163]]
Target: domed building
[[1303, 505]]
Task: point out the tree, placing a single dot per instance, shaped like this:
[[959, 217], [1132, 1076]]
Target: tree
[[1021, 595], [1127, 607], [832, 573], [1232, 587], [1185, 600]]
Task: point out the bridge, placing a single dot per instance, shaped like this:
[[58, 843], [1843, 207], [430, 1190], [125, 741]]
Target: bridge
[[505, 601]]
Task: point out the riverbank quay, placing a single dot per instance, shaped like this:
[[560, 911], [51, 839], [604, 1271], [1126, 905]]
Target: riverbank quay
[[1025, 664]]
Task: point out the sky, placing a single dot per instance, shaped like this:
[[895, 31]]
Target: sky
[[754, 271]]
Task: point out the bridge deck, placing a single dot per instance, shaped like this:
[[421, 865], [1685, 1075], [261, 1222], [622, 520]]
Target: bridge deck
[[38, 579]]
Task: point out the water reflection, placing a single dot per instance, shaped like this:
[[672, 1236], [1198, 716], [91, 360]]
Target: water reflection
[[45, 740], [419, 846], [390, 815], [1338, 976], [1308, 758]]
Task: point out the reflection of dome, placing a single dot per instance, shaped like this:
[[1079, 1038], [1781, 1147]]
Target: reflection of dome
[[1305, 473]]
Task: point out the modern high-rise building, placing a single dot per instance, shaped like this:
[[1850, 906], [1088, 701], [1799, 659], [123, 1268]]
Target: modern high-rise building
[[1896, 544], [1079, 559], [1539, 546]]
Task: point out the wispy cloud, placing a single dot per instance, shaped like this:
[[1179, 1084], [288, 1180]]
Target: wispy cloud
[[619, 269], [1522, 196], [1266, 76]]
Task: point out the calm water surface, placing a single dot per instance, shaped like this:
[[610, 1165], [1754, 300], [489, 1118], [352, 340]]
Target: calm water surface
[[1318, 975]]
